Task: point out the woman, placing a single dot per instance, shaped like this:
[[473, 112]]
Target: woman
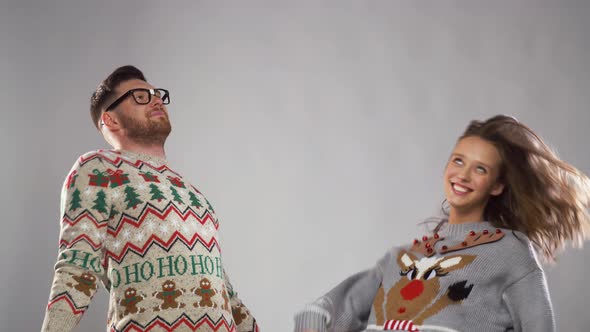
[[510, 197]]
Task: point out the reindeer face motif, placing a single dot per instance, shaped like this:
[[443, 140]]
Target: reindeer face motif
[[416, 291]]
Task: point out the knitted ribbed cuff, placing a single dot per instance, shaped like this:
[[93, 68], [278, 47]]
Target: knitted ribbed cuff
[[59, 321], [312, 318]]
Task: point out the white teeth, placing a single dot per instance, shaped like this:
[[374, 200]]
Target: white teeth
[[460, 189]]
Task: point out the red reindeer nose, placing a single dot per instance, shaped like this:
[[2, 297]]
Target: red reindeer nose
[[412, 290]]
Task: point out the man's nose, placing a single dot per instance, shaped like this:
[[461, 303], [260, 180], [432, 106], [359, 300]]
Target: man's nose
[[156, 100]]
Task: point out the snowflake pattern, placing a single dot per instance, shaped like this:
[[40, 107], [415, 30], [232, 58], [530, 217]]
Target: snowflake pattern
[[150, 224], [184, 229], [126, 234], [204, 231], [209, 230], [164, 229], [98, 235], [139, 236], [116, 194]]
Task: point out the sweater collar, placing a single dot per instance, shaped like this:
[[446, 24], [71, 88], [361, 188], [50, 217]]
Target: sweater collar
[[141, 156], [460, 230]]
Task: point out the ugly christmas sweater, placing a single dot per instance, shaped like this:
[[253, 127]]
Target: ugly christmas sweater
[[467, 277], [133, 224]]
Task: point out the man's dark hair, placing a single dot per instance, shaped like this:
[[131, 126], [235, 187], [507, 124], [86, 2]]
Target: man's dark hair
[[106, 88]]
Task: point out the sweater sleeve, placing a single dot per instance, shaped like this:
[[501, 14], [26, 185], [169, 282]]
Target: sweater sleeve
[[84, 211], [242, 316], [529, 303], [347, 306]]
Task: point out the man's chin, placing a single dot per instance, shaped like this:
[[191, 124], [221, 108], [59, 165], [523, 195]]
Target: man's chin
[[150, 137]]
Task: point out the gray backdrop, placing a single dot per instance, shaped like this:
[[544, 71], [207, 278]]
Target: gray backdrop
[[318, 129]]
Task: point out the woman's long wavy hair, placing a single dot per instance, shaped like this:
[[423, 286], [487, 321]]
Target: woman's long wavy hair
[[544, 197]]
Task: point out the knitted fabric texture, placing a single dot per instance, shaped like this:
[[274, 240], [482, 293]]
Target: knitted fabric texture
[[150, 237], [468, 277]]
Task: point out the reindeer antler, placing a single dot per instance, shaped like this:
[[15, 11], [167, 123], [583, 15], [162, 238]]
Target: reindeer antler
[[426, 247], [474, 239]]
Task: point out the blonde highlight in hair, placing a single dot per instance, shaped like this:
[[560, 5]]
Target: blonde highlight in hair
[[544, 197]]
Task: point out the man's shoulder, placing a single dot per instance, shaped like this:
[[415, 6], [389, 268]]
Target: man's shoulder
[[100, 153], [99, 156]]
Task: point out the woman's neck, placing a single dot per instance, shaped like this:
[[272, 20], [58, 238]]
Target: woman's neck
[[461, 217]]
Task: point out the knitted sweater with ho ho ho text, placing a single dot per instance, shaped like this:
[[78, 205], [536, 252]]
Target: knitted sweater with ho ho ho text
[[150, 237], [467, 277]]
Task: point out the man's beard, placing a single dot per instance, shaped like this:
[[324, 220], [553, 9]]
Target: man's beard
[[150, 132]]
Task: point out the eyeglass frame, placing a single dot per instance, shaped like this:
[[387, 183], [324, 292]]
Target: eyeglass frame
[[151, 92]]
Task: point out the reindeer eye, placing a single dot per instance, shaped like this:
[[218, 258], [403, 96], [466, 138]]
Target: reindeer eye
[[411, 274], [408, 273], [429, 274]]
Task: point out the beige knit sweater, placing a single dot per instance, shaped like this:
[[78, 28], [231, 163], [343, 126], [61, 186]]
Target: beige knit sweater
[[139, 228]]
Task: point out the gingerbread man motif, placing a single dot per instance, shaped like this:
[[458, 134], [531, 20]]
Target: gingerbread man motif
[[206, 293], [225, 305], [86, 282], [168, 296], [237, 313], [130, 302]]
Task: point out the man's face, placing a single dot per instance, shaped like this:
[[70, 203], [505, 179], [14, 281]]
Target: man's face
[[143, 124]]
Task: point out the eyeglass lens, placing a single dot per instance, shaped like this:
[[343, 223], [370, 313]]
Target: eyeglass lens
[[143, 96]]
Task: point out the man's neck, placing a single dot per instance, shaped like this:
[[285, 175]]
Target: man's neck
[[153, 150]]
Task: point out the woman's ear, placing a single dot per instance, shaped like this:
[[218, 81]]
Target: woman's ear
[[497, 189]]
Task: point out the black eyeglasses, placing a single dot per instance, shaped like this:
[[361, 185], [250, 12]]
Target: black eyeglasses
[[142, 97]]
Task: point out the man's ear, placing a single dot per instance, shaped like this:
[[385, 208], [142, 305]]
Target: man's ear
[[109, 120]]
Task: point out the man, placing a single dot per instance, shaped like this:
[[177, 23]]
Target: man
[[138, 227]]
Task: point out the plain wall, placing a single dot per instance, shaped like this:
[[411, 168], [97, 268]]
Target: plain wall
[[318, 129]]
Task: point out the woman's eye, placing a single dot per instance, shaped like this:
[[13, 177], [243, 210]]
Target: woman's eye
[[481, 170], [458, 161]]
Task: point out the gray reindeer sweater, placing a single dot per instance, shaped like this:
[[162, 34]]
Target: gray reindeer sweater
[[467, 277]]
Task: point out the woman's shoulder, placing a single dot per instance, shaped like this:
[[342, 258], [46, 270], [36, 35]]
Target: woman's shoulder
[[517, 253], [519, 244]]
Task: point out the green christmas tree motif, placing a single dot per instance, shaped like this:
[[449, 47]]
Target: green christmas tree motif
[[131, 197], [176, 195], [194, 200], [156, 193], [209, 207], [75, 202], [113, 212], [100, 204]]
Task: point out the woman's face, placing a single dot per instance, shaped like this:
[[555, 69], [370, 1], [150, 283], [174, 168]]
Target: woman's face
[[471, 176]]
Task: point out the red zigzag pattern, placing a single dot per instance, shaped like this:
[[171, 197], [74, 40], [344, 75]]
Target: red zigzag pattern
[[141, 251], [66, 297], [141, 218], [118, 161], [166, 244], [158, 322]]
